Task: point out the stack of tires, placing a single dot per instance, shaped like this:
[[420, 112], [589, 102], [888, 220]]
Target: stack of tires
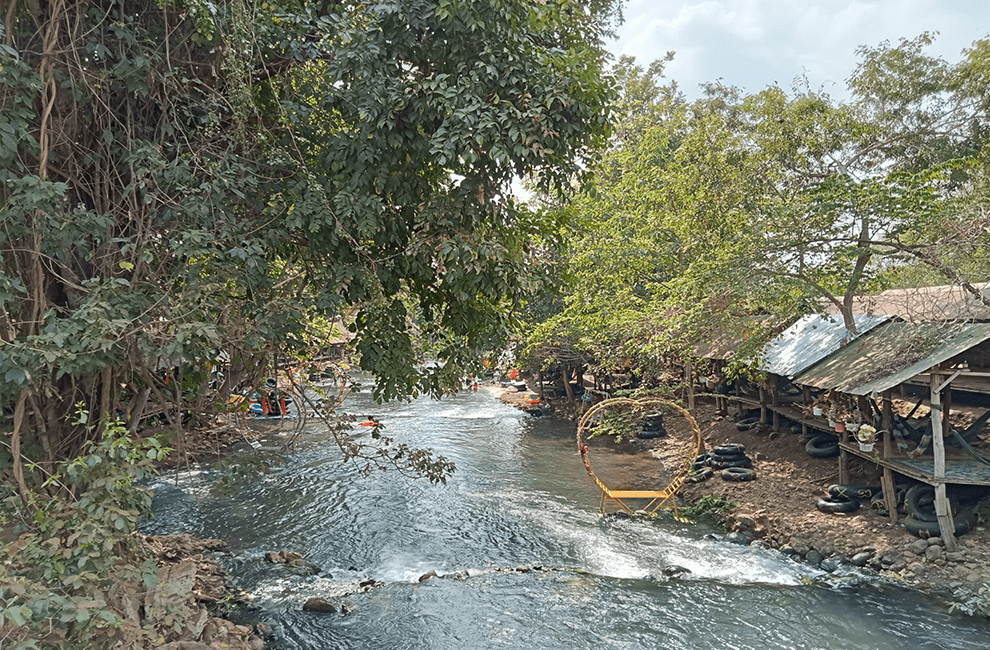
[[847, 498], [919, 501], [729, 460], [652, 427]]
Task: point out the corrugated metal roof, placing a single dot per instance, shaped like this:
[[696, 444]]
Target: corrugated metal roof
[[892, 354], [809, 340]]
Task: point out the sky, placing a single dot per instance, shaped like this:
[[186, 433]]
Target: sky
[[753, 44]]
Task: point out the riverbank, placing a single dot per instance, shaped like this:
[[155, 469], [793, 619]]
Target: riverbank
[[778, 509]]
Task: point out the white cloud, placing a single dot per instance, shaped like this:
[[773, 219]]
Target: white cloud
[[754, 43]]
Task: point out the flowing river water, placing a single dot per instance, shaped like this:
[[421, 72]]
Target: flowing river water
[[520, 497]]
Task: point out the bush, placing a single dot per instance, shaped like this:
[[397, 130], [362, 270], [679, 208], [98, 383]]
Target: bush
[[67, 560]]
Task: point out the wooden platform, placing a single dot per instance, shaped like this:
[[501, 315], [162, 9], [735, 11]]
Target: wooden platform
[[965, 471]]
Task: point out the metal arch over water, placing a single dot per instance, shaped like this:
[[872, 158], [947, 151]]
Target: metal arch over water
[[665, 498]]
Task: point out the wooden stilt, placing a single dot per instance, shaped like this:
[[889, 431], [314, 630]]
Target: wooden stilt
[[942, 509], [889, 492]]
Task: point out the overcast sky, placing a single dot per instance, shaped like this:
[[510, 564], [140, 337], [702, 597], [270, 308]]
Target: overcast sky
[[756, 43]]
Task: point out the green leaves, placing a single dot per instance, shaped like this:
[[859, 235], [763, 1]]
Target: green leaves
[[769, 203]]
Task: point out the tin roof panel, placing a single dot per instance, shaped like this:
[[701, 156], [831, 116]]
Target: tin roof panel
[[892, 354], [811, 339]]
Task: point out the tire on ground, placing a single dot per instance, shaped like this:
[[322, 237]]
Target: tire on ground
[[738, 474], [838, 504], [724, 462], [855, 491], [964, 522], [747, 424], [702, 474], [731, 449], [823, 446]]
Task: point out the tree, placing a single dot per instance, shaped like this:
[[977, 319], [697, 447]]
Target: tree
[[191, 184], [769, 203]]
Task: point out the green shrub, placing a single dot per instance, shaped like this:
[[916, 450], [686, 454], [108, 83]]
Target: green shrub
[[66, 558]]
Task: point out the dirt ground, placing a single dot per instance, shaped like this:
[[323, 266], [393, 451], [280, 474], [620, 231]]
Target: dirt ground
[[778, 509]]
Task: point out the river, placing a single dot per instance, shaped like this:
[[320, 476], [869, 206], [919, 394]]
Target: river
[[519, 498]]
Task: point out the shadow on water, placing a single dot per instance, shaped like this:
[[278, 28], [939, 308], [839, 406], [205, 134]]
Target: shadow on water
[[520, 498]]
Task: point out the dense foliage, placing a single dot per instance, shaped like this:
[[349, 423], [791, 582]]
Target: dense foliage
[[734, 213], [189, 185]]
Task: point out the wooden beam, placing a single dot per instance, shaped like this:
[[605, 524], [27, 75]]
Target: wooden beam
[[689, 378], [947, 381], [942, 510], [889, 492], [961, 371]]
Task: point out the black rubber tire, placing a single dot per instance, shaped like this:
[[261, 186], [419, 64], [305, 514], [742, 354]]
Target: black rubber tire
[[713, 457], [742, 461], [964, 522], [854, 491], [738, 474], [823, 446], [649, 435], [919, 501], [703, 474], [731, 449], [702, 458], [838, 504], [699, 465], [747, 424]]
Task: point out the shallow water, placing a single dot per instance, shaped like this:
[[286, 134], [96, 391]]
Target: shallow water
[[520, 497]]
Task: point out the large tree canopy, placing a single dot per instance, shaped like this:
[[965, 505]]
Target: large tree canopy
[[187, 183], [712, 211]]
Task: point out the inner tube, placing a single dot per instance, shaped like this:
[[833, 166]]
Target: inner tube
[[823, 446], [838, 504], [919, 501], [738, 474], [724, 463], [963, 523], [747, 424], [713, 456], [730, 449], [700, 475], [647, 434], [854, 491]]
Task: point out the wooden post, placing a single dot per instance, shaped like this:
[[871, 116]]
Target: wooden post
[[942, 509], [689, 378], [763, 405], [946, 408], [539, 382], [566, 376], [775, 401], [889, 492]]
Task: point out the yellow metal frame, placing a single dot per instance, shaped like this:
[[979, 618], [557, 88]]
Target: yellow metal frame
[[665, 498]]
